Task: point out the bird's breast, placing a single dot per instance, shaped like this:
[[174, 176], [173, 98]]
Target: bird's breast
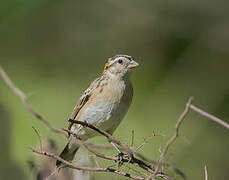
[[108, 104]]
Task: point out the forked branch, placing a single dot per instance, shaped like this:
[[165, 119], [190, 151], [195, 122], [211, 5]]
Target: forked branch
[[24, 99]]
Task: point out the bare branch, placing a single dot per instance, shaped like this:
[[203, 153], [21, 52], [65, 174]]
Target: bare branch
[[110, 138], [73, 166], [23, 98], [39, 137], [209, 116], [134, 161], [107, 135], [132, 138], [145, 141], [173, 138], [169, 166], [90, 149], [131, 160]]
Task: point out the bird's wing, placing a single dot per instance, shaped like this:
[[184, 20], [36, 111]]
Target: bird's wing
[[83, 100]]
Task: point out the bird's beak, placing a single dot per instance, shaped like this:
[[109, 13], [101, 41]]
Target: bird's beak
[[133, 64]]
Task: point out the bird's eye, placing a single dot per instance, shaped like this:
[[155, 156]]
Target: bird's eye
[[120, 61]]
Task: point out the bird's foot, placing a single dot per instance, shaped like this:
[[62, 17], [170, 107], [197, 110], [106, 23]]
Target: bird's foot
[[121, 157]]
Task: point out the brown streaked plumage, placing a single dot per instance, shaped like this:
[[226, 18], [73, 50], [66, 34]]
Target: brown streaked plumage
[[104, 103]]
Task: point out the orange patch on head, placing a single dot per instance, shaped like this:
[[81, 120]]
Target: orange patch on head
[[107, 65]]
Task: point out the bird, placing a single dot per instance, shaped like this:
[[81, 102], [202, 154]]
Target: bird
[[103, 104]]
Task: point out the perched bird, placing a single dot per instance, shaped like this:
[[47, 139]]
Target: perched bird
[[104, 103]]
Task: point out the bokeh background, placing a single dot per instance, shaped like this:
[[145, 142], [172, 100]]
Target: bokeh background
[[52, 50]]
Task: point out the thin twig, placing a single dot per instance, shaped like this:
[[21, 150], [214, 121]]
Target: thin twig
[[145, 142], [206, 172], [110, 138], [135, 161], [108, 169], [132, 139], [39, 137], [107, 135], [173, 138], [209, 116], [89, 147], [73, 166], [24, 98], [136, 171], [132, 159], [169, 166], [53, 173]]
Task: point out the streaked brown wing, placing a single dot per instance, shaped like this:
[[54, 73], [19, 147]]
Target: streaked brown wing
[[83, 100]]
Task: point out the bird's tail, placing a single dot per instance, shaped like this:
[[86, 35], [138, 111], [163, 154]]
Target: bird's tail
[[68, 153]]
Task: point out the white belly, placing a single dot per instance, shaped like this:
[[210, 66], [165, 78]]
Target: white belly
[[98, 113]]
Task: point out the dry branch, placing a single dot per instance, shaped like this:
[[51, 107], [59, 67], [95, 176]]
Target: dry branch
[[73, 166], [134, 161], [167, 165], [90, 148], [209, 116], [145, 142], [173, 138], [110, 138], [39, 137], [24, 99], [111, 170], [104, 133]]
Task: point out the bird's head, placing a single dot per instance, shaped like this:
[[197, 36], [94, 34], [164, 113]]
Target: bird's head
[[120, 65]]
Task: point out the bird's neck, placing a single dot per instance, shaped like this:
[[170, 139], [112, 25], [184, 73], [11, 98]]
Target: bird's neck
[[111, 75]]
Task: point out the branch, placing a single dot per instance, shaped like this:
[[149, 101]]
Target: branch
[[173, 138], [90, 147], [104, 133], [39, 137], [24, 99], [111, 170], [169, 166], [131, 159], [209, 116], [73, 166], [145, 142]]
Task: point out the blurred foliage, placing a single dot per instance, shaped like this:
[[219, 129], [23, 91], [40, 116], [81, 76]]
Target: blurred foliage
[[53, 49]]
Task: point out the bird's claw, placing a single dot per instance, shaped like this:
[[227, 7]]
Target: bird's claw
[[121, 157]]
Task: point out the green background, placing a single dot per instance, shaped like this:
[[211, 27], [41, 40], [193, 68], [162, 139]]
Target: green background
[[52, 50]]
